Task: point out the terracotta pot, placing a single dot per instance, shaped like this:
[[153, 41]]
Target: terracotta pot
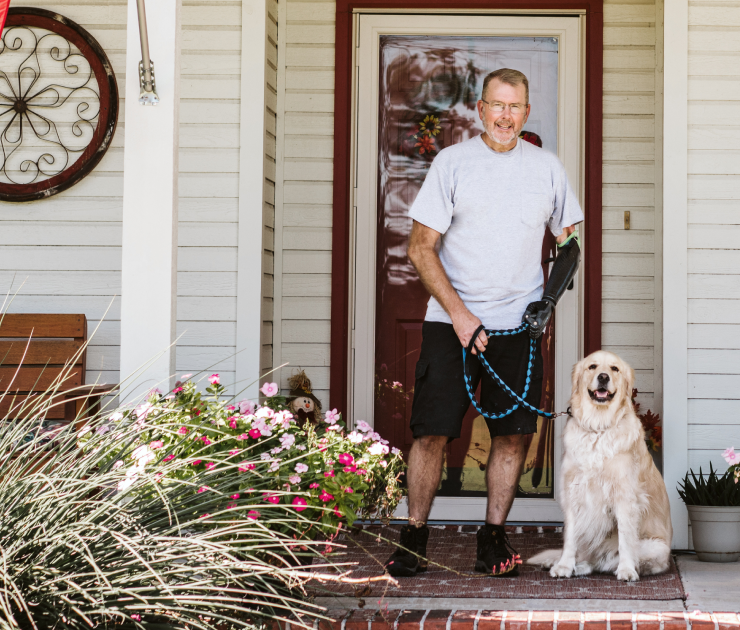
[[716, 532]]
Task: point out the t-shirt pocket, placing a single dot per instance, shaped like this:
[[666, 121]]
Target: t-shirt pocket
[[536, 209]]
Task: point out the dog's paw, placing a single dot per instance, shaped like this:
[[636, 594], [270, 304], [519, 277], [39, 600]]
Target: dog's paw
[[583, 568], [627, 574], [562, 570]]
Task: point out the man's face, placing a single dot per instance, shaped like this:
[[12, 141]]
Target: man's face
[[503, 127]]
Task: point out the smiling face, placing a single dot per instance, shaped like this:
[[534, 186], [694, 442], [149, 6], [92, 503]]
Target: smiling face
[[503, 128], [603, 379]]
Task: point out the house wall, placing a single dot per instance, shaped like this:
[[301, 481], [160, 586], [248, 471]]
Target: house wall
[[631, 173], [713, 231], [67, 248]]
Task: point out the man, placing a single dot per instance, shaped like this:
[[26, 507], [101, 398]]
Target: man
[[476, 242]]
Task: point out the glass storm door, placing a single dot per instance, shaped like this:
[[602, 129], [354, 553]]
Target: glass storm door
[[419, 78]]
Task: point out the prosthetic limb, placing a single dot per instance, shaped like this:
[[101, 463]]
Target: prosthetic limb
[[561, 277]]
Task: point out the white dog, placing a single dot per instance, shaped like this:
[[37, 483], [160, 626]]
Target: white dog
[[617, 516]]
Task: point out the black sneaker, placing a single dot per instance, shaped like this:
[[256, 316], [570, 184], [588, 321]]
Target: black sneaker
[[495, 555], [405, 564]]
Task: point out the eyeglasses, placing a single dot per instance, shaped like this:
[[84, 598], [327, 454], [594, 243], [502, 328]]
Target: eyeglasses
[[515, 108]]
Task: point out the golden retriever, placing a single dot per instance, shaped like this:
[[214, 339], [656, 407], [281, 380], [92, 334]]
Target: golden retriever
[[617, 516]]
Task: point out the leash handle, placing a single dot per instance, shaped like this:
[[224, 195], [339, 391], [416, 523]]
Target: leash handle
[[471, 345]]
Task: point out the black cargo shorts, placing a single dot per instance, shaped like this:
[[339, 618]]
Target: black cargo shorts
[[441, 399]]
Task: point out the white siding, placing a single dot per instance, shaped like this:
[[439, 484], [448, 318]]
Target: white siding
[[304, 195], [631, 323], [714, 231], [66, 250]]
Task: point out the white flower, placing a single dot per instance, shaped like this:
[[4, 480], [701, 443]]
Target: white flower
[[355, 437], [395, 451], [265, 456], [265, 412], [334, 427], [301, 447], [378, 449], [142, 411], [115, 417]]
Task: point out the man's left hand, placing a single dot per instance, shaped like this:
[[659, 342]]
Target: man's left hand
[[537, 315]]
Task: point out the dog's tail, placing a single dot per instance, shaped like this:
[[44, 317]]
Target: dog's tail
[[546, 558]]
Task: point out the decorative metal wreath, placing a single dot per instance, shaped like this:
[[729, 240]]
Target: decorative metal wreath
[[58, 104]]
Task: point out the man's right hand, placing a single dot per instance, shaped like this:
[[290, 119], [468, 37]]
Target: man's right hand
[[465, 325]]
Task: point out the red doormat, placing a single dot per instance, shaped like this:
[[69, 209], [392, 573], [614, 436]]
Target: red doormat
[[454, 548]]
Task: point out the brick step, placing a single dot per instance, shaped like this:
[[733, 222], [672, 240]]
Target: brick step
[[368, 619]]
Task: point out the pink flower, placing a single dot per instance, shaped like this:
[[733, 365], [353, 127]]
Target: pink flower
[[397, 384], [331, 417], [230, 506], [214, 379], [363, 426], [255, 434], [244, 467], [118, 464], [202, 489], [204, 515], [230, 408], [361, 471], [314, 485], [272, 498], [287, 440], [142, 411], [301, 468], [329, 473], [346, 459], [183, 430], [350, 468], [294, 479], [349, 490], [246, 407], [232, 422], [269, 389], [177, 390], [169, 457], [136, 617], [253, 515], [383, 463], [210, 465], [337, 512], [355, 437], [197, 461], [185, 377], [300, 504], [731, 457], [325, 496], [206, 441], [156, 444], [236, 451], [243, 436], [234, 496]]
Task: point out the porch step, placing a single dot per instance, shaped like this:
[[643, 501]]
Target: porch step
[[385, 619]]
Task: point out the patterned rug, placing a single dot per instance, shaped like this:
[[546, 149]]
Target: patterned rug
[[454, 548]]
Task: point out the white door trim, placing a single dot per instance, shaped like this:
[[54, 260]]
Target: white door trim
[[570, 31]]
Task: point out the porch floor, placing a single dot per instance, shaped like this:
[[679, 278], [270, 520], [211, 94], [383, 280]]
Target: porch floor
[[684, 597]]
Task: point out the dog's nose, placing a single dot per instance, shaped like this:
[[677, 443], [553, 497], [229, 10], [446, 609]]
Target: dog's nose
[[603, 378]]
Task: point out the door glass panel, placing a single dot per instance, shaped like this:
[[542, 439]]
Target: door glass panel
[[429, 87]]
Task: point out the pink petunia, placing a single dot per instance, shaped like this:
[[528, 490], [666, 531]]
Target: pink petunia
[[294, 479], [331, 417], [300, 504], [183, 430], [337, 512], [246, 407], [177, 390], [206, 441], [325, 496], [255, 434], [234, 496], [346, 459], [156, 444], [349, 490], [244, 467], [169, 457], [232, 422], [136, 617], [235, 451], [361, 471], [301, 468], [731, 457], [314, 485], [272, 498], [185, 377], [243, 436], [204, 515], [269, 389], [350, 468], [210, 465], [329, 473], [197, 461], [253, 515], [214, 379], [202, 489]]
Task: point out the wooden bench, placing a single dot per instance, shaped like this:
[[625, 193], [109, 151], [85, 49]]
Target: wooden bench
[[35, 349]]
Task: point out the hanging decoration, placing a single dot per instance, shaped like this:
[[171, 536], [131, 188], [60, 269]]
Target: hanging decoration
[[58, 104]]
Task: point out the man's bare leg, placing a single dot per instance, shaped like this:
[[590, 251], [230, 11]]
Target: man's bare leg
[[505, 464], [423, 475]]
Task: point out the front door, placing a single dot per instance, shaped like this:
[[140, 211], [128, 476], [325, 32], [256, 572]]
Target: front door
[[419, 78]]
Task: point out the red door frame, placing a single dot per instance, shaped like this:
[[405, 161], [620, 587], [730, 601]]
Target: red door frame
[[340, 267]]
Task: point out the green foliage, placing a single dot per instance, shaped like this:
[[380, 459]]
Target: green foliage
[[710, 489]]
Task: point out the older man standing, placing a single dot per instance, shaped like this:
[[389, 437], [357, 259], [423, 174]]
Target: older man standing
[[476, 242]]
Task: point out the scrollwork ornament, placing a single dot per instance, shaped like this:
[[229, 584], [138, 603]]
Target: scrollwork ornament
[[58, 104]]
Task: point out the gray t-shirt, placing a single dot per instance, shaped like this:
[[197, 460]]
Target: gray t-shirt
[[492, 209]]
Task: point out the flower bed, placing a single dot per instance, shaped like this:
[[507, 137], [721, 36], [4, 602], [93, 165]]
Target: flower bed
[[328, 475]]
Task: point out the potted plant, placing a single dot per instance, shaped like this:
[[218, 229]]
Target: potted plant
[[713, 502]]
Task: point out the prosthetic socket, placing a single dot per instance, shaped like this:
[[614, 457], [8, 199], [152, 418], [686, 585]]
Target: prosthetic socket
[[561, 276]]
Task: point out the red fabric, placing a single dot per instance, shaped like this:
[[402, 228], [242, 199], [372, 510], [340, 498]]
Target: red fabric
[[4, 5]]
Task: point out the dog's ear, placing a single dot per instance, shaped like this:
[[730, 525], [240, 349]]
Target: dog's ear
[[575, 375], [629, 377]]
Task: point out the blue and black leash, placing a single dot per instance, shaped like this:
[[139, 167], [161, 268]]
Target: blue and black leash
[[519, 400]]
